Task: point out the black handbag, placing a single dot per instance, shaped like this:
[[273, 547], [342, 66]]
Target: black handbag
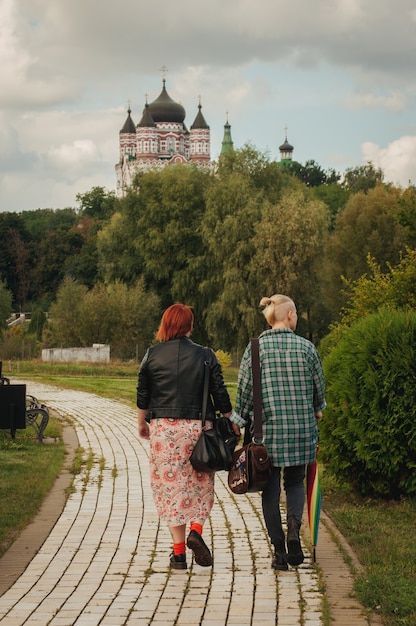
[[214, 449], [251, 468]]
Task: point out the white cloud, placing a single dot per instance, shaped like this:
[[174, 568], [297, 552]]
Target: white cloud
[[75, 158], [398, 160], [392, 101]]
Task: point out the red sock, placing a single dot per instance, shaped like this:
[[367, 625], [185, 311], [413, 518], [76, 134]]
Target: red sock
[[179, 548], [197, 527]]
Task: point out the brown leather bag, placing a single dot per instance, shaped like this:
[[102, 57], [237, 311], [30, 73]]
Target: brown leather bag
[[251, 467]]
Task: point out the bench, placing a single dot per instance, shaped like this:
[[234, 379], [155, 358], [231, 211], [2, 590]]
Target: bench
[[18, 410], [37, 415]]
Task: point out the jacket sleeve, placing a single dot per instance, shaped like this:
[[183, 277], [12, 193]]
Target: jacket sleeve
[[143, 384], [218, 389]]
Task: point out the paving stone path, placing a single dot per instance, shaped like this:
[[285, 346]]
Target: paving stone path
[[105, 560]]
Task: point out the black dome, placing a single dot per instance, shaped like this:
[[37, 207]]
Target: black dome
[[164, 109], [286, 147]]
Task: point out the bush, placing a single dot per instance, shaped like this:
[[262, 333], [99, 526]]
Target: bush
[[368, 431], [224, 358]]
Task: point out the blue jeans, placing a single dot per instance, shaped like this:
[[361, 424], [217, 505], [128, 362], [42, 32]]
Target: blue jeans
[[293, 481]]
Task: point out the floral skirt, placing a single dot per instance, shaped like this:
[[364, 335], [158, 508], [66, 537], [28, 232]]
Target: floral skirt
[[181, 494]]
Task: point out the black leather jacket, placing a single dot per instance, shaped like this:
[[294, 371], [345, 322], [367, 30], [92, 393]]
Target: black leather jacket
[[171, 381]]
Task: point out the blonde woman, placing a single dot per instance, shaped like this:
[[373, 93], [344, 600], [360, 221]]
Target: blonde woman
[[293, 394]]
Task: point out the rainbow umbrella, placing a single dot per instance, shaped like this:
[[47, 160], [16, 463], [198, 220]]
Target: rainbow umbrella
[[314, 498]]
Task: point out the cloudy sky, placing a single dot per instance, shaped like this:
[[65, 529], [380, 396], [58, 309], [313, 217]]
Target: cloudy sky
[[340, 74]]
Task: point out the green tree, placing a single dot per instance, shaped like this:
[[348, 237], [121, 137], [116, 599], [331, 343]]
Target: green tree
[[289, 240], [138, 322], [65, 316], [37, 323], [269, 177], [97, 203], [156, 233], [362, 178], [53, 253], [406, 215], [367, 225], [395, 288], [5, 305], [14, 239], [312, 174], [118, 255], [124, 317], [41, 221], [335, 197], [233, 209]]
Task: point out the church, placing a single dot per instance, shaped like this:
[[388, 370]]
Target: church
[[161, 138]]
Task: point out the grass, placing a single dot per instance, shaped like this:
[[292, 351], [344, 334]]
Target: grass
[[381, 533], [28, 471]]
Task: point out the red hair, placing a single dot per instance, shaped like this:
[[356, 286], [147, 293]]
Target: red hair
[[176, 322]]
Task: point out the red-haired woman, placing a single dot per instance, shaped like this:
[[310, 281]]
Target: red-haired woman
[[169, 401]]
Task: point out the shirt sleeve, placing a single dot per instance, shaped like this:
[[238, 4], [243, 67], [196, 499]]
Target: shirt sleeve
[[244, 398], [319, 402]]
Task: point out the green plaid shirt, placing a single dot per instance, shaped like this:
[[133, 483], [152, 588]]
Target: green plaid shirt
[[293, 389]]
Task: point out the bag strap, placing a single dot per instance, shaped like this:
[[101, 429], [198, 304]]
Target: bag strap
[[257, 395], [206, 386]]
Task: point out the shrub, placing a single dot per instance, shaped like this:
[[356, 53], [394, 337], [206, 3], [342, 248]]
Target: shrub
[[224, 358], [368, 431]]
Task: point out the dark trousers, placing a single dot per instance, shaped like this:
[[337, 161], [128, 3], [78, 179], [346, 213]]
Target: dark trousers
[[293, 482]]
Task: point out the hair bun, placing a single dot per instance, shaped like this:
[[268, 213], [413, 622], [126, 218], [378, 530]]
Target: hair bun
[[265, 302]]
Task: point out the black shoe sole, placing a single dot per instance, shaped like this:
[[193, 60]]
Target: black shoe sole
[[295, 555], [178, 565], [202, 555]]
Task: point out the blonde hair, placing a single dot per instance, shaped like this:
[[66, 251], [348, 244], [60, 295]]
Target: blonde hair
[[276, 308]]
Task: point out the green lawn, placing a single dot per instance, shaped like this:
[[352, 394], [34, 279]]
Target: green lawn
[[381, 533]]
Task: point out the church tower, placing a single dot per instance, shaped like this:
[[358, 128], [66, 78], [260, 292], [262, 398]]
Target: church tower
[[286, 150], [227, 146], [200, 139]]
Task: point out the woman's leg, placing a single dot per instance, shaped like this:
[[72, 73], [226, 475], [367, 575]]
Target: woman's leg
[[293, 479], [178, 533], [178, 558], [202, 553], [273, 520], [295, 499], [271, 508]]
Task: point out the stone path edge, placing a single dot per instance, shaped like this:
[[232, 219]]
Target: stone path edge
[[17, 557]]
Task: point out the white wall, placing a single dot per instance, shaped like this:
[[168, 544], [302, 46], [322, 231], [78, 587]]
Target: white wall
[[99, 353]]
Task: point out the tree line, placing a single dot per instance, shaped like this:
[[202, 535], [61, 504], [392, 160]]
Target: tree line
[[104, 272]]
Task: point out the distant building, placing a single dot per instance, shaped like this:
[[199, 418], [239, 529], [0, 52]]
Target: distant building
[[161, 138], [227, 143], [286, 150]]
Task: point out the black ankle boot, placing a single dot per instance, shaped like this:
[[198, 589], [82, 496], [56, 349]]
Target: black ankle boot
[[279, 560], [294, 549]]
